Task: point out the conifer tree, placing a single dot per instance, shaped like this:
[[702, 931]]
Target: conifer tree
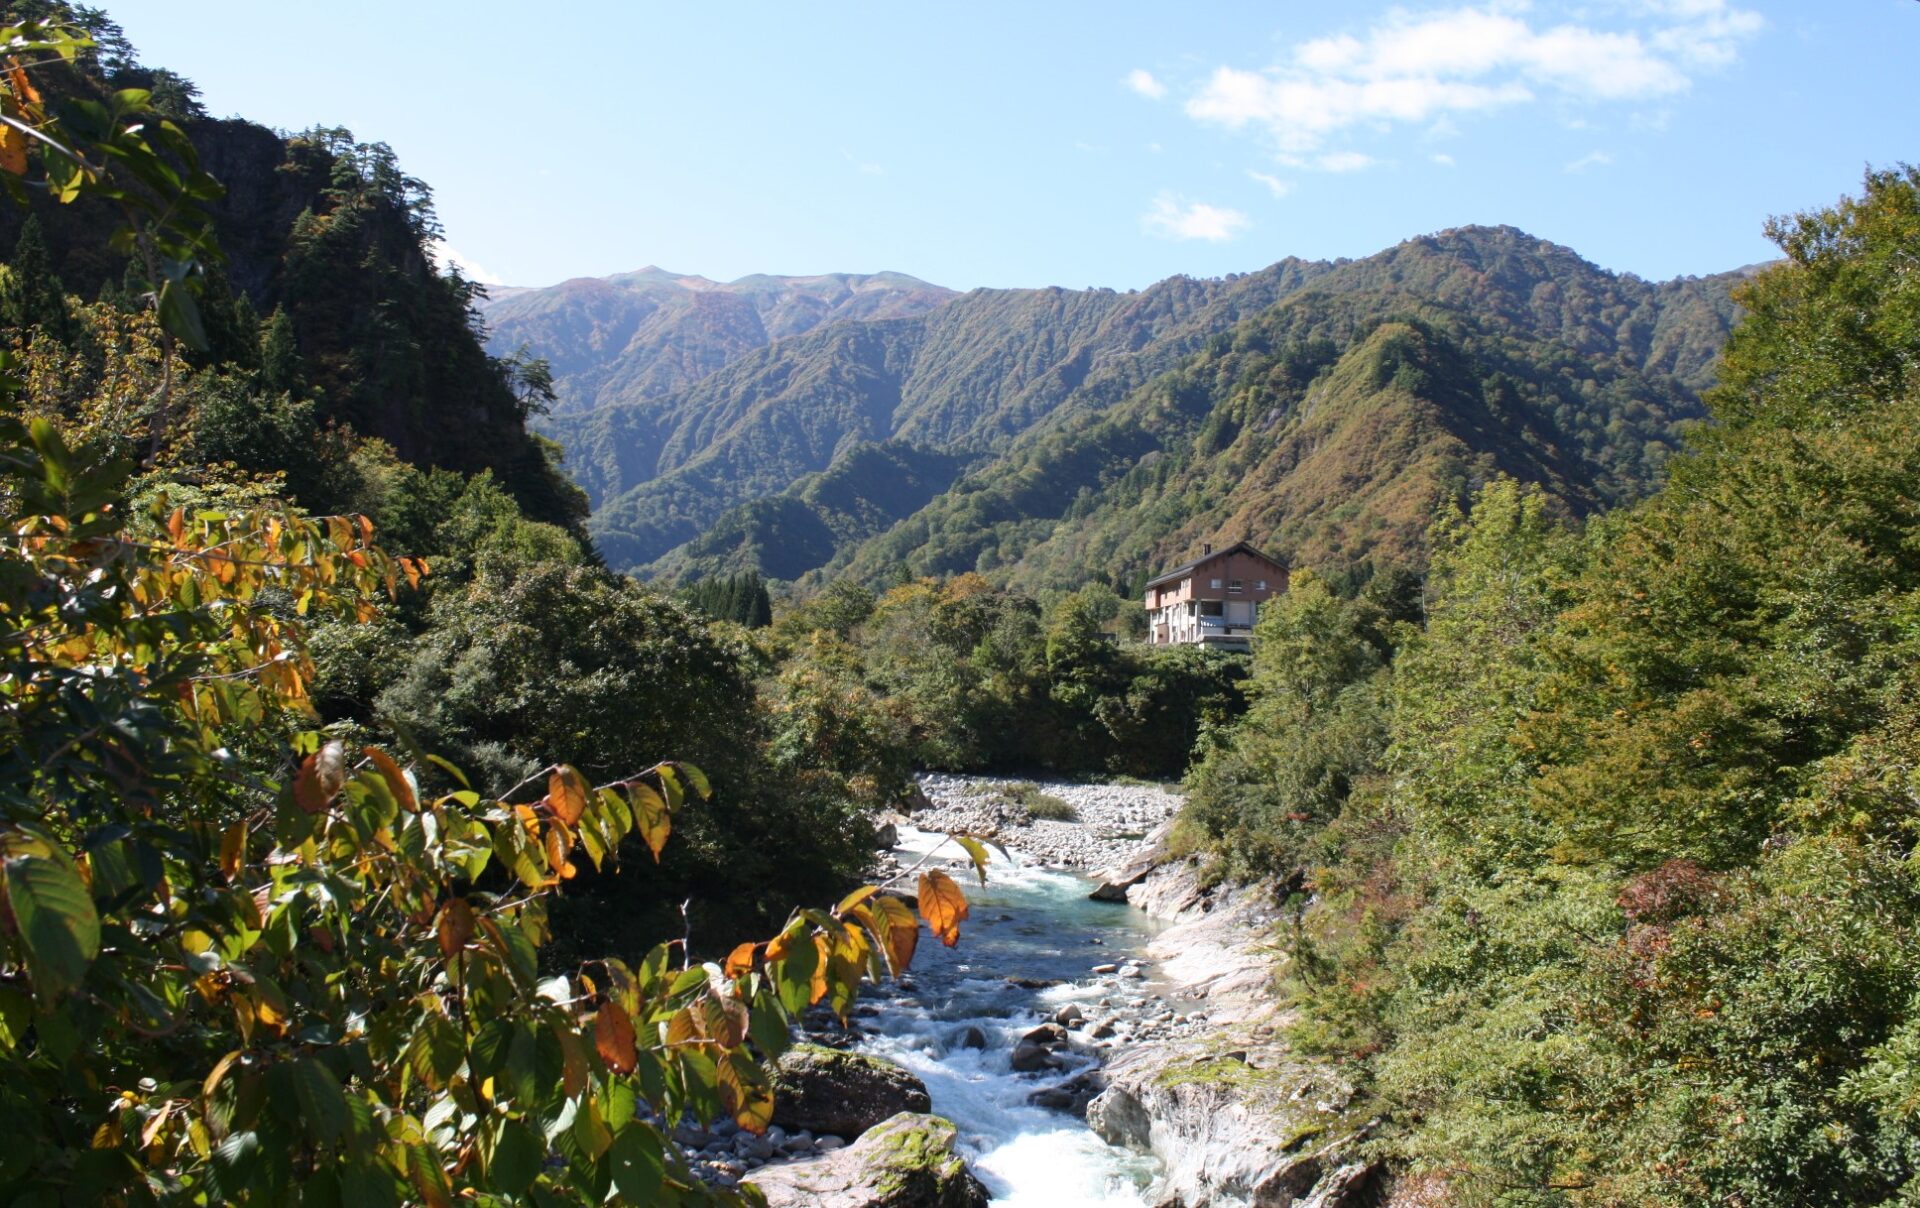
[[32, 295]]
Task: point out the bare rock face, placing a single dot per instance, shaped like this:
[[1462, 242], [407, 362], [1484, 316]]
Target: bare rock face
[[905, 1161], [1232, 1113], [832, 1093]]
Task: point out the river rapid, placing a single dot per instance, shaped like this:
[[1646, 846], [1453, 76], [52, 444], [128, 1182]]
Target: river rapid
[[1033, 924]]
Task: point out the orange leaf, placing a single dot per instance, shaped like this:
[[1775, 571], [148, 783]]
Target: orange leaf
[[396, 779], [456, 926], [13, 151], [613, 1037], [22, 86], [898, 931], [567, 794], [943, 905], [780, 945], [740, 960], [818, 990]]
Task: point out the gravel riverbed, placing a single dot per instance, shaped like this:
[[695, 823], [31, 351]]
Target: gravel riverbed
[[1110, 820]]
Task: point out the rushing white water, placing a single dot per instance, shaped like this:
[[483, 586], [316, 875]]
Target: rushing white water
[[1032, 923]]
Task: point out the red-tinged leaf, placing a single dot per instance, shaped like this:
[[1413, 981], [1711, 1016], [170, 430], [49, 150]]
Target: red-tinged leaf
[[943, 905], [321, 775], [455, 928], [177, 526], [567, 794], [613, 1037], [396, 779], [740, 960]]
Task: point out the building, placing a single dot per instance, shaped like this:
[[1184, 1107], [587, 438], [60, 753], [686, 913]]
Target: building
[[1213, 600]]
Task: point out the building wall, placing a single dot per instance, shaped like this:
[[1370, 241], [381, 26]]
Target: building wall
[[1167, 604]]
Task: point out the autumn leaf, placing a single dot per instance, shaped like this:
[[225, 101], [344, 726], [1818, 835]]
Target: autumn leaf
[[613, 1037], [818, 990], [455, 928], [650, 817], [22, 87], [396, 779], [746, 1094], [943, 905], [233, 849], [740, 960], [321, 775], [567, 794], [897, 930], [13, 151]]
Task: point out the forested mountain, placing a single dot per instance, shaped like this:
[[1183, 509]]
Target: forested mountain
[[1329, 427], [644, 335], [965, 378], [1010, 429]]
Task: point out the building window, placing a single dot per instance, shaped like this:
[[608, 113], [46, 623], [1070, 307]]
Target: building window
[[1260, 586], [1236, 585], [1216, 585]]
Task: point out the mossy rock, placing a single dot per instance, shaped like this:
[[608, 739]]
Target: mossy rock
[[835, 1093], [905, 1161]]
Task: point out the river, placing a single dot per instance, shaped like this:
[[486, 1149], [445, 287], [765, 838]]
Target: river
[[1031, 923]]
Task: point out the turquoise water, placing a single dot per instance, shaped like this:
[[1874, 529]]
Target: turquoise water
[[1026, 922]]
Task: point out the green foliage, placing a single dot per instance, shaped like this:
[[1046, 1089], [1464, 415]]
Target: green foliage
[[741, 598], [981, 679], [1626, 912]]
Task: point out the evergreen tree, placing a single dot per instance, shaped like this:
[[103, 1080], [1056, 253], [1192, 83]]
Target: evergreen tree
[[31, 295], [280, 367]]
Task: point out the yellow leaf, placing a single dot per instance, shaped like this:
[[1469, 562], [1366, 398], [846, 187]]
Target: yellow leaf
[[567, 795], [613, 1037], [943, 905], [650, 817], [233, 849], [855, 898]]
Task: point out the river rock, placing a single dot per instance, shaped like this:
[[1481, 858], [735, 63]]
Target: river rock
[[1071, 1096], [1115, 881], [970, 1037], [827, 1091], [905, 1161]]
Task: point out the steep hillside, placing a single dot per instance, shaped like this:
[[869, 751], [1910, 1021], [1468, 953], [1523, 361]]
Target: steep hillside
[[1331, 426], [1523, 357], [966, 379], [647, 334]]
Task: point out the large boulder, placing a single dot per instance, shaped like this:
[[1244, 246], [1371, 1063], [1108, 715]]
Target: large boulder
[[905, 1161], [826, 1091]]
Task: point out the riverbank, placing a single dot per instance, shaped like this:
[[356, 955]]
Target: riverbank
[[1118, 1048]]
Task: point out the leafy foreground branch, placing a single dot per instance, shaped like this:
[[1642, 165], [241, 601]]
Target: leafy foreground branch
[[226, 980]]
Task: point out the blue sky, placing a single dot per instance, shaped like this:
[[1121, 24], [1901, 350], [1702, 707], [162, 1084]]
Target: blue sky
[[1075, 144]]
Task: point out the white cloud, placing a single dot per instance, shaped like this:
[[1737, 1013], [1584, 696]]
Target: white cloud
[[1345, 161], [446, 256], [1592, 159], [1142, 82], [1279, 188], [1431, 67], [1443, 159], [1174, 217]]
